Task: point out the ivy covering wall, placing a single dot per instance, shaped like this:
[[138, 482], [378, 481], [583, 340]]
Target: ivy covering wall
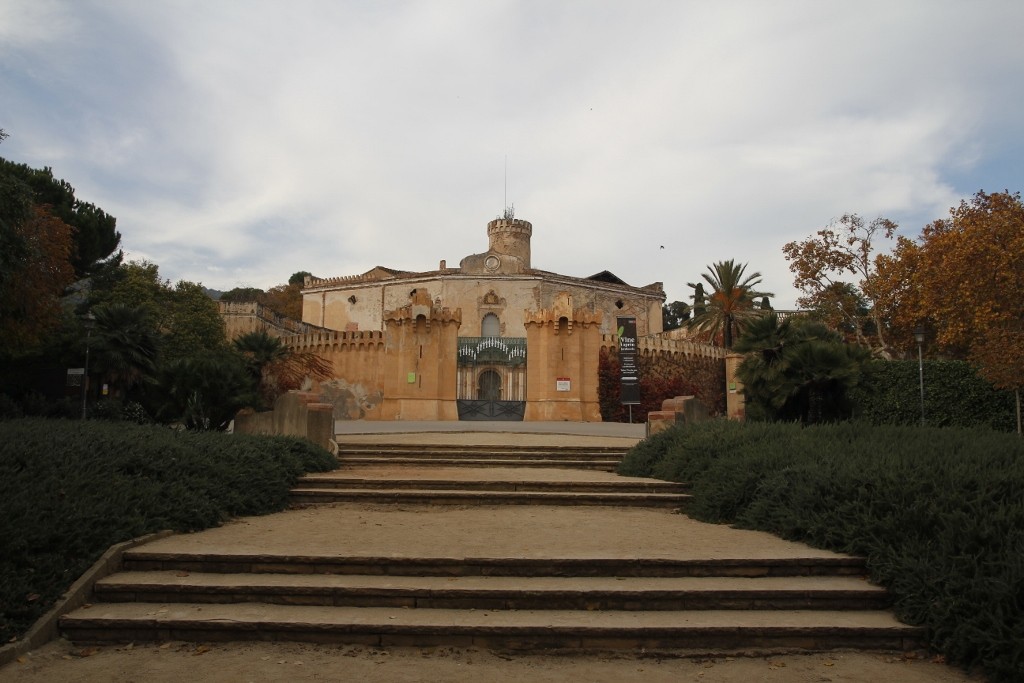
[[661, 376]]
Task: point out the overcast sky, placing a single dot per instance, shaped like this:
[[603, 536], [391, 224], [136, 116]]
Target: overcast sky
[[240, 141]]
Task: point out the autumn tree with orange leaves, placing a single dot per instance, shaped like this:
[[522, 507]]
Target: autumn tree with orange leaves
[[824, 263], [30, 296], [970, 280]]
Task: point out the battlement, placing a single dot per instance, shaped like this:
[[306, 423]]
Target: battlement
[[377, 274], [580, 317], [658, 345], [510, 225], [332, 339]]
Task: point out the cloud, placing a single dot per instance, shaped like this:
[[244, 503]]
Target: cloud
[[243, 141]]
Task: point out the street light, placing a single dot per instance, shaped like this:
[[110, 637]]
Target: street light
[[919, 333], [89, 320]]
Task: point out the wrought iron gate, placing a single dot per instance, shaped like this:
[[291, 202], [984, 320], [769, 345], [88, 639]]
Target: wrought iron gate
[[492, 378]]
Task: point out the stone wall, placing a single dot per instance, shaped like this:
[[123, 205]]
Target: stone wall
[[296, 413]]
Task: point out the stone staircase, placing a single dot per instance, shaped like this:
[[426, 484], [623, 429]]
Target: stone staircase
[[595, 593], [606, 458]]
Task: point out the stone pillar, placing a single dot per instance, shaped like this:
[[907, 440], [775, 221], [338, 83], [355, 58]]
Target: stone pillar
[[563, 347], [420, 361], [734, 399]]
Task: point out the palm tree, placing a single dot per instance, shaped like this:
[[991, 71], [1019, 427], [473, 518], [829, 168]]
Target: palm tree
[[125, 346], [275, 368], [731, 303], [260, 350], [205, 390], [797, 369]]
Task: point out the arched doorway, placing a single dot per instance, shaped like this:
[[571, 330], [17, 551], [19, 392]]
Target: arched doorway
[[489, 386]]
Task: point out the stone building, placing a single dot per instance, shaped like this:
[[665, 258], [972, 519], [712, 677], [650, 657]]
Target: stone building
[[495, 291], [494, 338]]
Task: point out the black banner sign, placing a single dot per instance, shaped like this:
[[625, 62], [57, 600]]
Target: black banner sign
[[629, 389]]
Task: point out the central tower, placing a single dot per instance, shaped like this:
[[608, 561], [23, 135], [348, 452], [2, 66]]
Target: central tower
[[510, 237]]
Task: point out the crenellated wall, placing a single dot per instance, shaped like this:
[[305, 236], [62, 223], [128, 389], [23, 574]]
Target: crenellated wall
[[659, 345], [406, 372], [564, 347], [421, 361], [357, 358], [248, 316]]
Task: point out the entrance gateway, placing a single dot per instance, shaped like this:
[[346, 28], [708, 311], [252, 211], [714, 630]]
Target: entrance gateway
[[491, 378]]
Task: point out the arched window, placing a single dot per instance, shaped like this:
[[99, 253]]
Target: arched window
[[490, 326]]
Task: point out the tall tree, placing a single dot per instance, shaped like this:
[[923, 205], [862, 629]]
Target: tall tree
[[822, 264], [96, 238], [285, 300], [971, 275], [191, 321], [299, 278], [731, 304], [674, 315], [185, 315], [35, 275], [243, 295]]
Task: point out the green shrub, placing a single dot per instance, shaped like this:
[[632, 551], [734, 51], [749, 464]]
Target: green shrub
[[954, 396], [938, 513], [71, 489], [9, 408]]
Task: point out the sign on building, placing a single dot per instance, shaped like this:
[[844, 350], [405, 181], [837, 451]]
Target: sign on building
[[629, 388]]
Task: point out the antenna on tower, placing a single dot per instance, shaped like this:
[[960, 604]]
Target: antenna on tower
[[510, 210]]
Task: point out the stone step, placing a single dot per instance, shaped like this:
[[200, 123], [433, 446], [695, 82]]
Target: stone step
[[353, 481], [603, 465], [141, 559], [720, 630], [537, 451], [497, 592], [483, 455], [307, 496]]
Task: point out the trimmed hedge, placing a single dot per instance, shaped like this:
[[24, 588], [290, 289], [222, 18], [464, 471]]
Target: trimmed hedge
[[954, 396], [71, 489], [938, 513]]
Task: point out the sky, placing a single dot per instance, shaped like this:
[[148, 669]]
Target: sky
[[240, 141]]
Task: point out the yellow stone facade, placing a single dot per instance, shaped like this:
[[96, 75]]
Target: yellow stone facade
[[399, 341]]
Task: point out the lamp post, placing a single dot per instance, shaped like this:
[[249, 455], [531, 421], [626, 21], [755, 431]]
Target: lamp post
[[89, 319], [919, 333]]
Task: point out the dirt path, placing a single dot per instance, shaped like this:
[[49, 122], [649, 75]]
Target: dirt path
[[263, 662]]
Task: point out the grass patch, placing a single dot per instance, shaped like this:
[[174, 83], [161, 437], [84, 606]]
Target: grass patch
[[71, 489], [938, 513]]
